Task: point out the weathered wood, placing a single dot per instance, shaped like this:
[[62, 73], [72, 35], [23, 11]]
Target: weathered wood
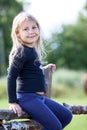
[[21, 125], [31, 124], [10, 115], [76, 109], [48, 78]]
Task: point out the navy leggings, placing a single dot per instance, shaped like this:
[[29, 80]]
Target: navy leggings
[[50, 114]]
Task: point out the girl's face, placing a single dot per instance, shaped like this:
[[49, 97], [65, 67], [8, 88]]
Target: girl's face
[[28, 33]]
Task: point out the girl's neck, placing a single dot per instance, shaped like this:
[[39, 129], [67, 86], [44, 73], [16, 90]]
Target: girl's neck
[[29, 45]]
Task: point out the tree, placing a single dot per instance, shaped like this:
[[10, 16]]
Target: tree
[[8, 9], [71, 45]]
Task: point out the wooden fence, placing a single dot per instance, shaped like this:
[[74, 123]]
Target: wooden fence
[[10, 121]]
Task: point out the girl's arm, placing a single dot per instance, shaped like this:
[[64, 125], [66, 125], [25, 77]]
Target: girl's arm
[[14, 69], [11, 90]]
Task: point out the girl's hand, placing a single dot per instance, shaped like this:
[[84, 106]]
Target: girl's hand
[[16, 108], [53, 66]]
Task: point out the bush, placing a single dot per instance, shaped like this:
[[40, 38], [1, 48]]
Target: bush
[[68, 78], [67, 83]]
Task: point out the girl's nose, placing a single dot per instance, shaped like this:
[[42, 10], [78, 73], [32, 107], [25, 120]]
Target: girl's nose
[[31, 31]]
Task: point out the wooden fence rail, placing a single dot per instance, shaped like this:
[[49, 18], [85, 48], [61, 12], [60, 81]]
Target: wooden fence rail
[[25, 122]]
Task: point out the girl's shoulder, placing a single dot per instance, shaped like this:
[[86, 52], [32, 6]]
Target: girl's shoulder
[[23, 49]]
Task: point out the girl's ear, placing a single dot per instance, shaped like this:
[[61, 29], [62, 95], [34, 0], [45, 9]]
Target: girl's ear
[[17, 33], [18, 36]]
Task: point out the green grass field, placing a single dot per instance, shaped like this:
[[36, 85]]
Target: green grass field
[[4, 103]]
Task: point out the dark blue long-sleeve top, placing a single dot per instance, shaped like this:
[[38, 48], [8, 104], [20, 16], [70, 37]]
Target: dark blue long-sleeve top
[[27, 70]]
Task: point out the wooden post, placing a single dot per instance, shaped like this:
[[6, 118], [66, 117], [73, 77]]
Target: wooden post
[[48, 78]]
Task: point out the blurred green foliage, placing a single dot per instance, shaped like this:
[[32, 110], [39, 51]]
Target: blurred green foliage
[[8, 9], [68, 78], [67, 83], [3, 89], [68, 46]]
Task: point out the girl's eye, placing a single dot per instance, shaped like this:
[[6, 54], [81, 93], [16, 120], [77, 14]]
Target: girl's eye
[[25, 29], [34, 27]]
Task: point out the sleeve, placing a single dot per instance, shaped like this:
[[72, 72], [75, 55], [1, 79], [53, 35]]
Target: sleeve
[[13, 72]]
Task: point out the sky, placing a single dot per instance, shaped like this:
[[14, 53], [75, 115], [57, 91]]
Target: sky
[[51, 14]]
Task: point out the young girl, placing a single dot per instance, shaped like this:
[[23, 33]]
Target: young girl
[[25, 67]]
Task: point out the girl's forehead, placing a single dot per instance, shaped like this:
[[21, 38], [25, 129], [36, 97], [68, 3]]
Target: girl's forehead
[[28, 22]]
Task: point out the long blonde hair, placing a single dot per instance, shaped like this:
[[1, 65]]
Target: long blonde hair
[[21, 17]]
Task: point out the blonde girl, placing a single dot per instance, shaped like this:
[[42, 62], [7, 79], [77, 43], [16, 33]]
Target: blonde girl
[[26, 69]]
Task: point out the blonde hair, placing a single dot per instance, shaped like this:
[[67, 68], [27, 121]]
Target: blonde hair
[[21, 17]]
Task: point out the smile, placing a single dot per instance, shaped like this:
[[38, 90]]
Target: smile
[[31, 36]]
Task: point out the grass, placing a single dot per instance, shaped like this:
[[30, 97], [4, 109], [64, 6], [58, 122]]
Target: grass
[[4, 103], [79, 122], [3, 87]]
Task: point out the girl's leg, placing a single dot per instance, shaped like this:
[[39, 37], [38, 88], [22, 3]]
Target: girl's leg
[[40, 112], [62, 113]]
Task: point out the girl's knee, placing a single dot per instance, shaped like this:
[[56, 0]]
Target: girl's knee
[[69, 116], [68, 119], [53, 125], [58, 127]]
